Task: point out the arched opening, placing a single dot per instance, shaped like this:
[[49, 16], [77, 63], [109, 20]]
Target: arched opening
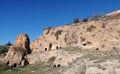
[[58, 65], [50, 46], [45, 49], [54, 65], [114, 47], [60, 47], [84, 44], [97, 48], [14, 65], [56, 47]]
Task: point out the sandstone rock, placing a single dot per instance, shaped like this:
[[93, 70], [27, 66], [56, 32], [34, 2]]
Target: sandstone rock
[[102, 35], [16, 56], [17, 53], [22, 40]]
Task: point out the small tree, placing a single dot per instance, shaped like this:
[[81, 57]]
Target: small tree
[[8, 44], [76, 20]]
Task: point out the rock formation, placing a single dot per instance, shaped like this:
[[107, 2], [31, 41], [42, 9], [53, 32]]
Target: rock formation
[[17, 53], [102, 34], [16, 56], [22, 40]]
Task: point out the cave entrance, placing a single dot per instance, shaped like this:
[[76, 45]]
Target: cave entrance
[[14, 65], [60, 47], [50, 46], [56, 47], [45, 49], [84, 44], [7, 62]]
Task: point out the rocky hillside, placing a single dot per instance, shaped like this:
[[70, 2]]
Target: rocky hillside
[[99, 33], [88, 47]]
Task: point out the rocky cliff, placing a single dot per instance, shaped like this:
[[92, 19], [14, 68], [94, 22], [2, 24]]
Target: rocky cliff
[[101, 34]]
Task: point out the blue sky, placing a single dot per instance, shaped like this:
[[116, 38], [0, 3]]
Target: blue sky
[[31, 16]]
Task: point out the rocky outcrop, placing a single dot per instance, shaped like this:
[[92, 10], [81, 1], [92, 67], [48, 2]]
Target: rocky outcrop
[[90, 62], [91, 67], [102, 34], [16, 56], [23, 40], [17, 53]]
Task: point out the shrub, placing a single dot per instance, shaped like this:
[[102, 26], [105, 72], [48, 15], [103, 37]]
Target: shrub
[[104, 17], [76, 20], [95, 17], [51, 60], [85, 20], [90, 28], [3, 49], [8, 44], [4, 67]]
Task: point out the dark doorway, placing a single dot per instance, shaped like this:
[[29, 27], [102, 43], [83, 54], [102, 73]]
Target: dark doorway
[[7, 62], [14, 65], [84, 44], [45, 49], [60, 47], [56, 47], [97, 48], [50, 46], [58, 65]]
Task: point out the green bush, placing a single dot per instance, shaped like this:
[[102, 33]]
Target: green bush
[[98, 17], [38, 68], [85, 20], [3, 49], [76, 20], [8, 44]]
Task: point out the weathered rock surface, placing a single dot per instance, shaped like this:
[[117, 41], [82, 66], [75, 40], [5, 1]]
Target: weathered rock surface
[[102, 34], [61, 57], [91, 62], [79, 61], [16, 56], [90, 67], [17, 53], [23, 40]]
